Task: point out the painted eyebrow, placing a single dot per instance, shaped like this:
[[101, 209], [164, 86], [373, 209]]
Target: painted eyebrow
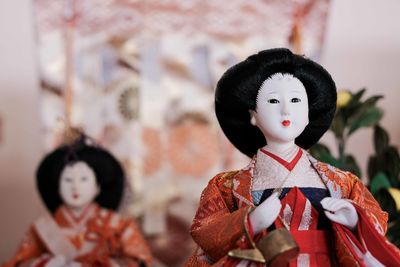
[[274, 92]]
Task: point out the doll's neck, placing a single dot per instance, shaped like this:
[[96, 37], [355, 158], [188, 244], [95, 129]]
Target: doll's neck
[[285, 151], [79, 213]]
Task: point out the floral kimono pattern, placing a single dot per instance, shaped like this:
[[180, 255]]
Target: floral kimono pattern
[[99, 238], [221, 222]]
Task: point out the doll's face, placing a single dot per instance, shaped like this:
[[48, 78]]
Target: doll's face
[[282, 108], [78, 185]]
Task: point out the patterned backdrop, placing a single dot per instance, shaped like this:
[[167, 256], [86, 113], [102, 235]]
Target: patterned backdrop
[[139, 77]]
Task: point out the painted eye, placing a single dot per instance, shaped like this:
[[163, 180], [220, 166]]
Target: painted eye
[[296, 100], [84, 178], [273, 101], [68, 180]]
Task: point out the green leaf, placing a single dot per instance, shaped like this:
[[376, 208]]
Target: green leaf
[[354, 103], [381, 139], [393, 232], [322, 153], [351, 165], [378, 182], [318, 150], [387, 162], [374, 166], [387, 203], [328, 158], [356, 97], [368, 118], [359, 112], [371, 101], [391, 160], [364, 107], [338, 124]]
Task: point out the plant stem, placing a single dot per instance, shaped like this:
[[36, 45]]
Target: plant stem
[[341, 146]]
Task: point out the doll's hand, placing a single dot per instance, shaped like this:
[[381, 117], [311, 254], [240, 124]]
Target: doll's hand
[[340, 211], [56, 261], [73, 264], [266, 213], [46, 260], [115, 263]]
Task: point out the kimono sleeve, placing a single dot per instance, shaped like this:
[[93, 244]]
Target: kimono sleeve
[[216, 228], [367, 246], [134, 246], [361, 196], [30, 248]]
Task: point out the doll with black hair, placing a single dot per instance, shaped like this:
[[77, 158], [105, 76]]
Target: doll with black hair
[[81, 185], [272, 107]]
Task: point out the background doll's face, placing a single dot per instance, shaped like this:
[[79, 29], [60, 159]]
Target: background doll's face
[[78, 185], [282, 108]]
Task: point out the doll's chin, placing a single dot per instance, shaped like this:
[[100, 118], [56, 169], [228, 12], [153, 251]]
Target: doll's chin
[[283, 138], [76, 204], [284, 134]]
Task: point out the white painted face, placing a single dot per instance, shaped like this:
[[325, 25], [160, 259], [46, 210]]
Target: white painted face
[[78, 185], [282, 108]]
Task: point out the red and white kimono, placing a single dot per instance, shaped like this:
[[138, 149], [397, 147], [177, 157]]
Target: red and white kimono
[[222, 223], [100, 237]]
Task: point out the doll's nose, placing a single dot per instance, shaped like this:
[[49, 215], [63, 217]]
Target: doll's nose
[[285, 108], [75, 185]]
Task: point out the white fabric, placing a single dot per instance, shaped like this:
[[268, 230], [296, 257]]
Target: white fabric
[[269, 173], [367, 258], [51, 235], [56, 237], [57, 261]]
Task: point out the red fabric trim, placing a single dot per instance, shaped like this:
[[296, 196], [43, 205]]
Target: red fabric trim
[[250, 226], [311, 241], [297, 202], [81, 216], [339, 230], [377, 244], [354, 239], [284, 163]]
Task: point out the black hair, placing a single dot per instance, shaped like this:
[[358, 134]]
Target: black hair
[[108, 171], [237, 91]]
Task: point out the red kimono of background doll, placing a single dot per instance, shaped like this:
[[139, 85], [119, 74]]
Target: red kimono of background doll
[[272, 107], [81, 185]]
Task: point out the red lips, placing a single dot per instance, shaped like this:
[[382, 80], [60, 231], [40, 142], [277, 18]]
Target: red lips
[[286, 123], [75, 196]]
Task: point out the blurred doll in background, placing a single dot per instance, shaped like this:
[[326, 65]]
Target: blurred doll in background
[[82, 186], [285, 208]]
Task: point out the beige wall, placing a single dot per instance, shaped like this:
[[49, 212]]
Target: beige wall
[[362, 49], [20, 145]]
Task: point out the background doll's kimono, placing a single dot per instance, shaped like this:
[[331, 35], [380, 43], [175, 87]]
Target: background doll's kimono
[[103, 235], [98, 236], [221, 222]]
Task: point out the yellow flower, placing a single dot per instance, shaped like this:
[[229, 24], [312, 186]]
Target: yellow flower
[[395, 193], [343, 98]]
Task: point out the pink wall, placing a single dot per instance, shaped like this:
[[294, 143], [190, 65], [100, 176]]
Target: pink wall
[[362, 49], [20, 145]]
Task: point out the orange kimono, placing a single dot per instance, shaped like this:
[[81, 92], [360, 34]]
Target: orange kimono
[[221, 222], [99, 238]]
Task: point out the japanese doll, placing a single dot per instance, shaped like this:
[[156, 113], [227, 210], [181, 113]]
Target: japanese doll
[[273, 106], [81, 185]]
